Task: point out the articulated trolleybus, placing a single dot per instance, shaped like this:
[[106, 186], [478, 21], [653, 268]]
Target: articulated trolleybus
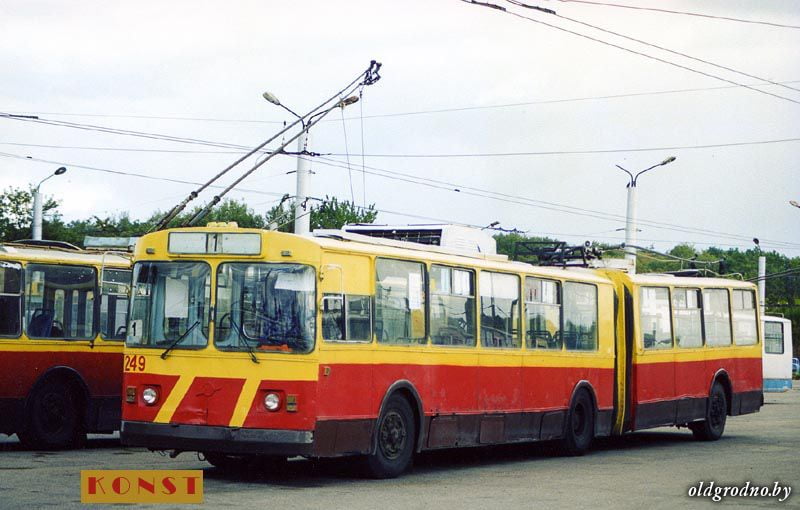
[[245, 343], [62, 326]]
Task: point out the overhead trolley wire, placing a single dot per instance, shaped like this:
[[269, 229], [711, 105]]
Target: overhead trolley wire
[[684, 13], [553, 206], [623, 48], [419, 112], [662, 48]]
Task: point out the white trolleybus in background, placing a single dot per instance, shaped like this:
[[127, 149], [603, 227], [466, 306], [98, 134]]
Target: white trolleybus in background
[[777, 357]]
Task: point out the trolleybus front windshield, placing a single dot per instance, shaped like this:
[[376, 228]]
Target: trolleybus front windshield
[[171, 303], [265, 307]]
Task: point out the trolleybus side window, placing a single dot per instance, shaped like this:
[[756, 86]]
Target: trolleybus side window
[[499, 310], [580, 316], [654, 318], [687, 316], [346, 318], [115, 288], [452, 308], [542, 313], [10, 299], [266, 307], [59, 301], [773, 337], [400, 302], [745, 330], [171, 303], [716, 317]]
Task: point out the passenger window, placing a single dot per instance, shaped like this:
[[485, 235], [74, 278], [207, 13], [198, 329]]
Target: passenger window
[[580, 316], [745, 330], [499, 310], [10, 299], [687, 316], [351, 323], [452, 310], [773, 337], [115, 287], [542, 314], [654, 318], [400, 302], [716, 317], [59, 301], [333, 317]]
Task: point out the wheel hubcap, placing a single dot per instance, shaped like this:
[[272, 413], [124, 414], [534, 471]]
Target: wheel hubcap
[[392, 435], [717, 411], [54, 411], [578, 420]]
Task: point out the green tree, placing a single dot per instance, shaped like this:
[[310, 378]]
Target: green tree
[[16, 213], [329, 213]]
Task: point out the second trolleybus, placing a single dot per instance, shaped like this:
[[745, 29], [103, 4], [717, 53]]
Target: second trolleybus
[[244, 342]]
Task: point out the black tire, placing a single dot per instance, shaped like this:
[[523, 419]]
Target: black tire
[[713, 426], [54, 417], [394, 439], [579, 429]]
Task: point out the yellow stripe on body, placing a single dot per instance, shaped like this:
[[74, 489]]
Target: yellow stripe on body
[[246, 397], [174, 399], [678, 355]]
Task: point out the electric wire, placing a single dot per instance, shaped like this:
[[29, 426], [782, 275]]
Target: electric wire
[[662, 48], [629, 50], [509, 198], [684, 13], [418, 112]]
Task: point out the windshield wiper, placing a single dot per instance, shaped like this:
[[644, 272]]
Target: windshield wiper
[[178, 340], [246, 341]]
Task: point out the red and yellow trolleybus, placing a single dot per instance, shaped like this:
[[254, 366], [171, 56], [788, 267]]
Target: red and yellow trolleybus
[[62, 325], [244, 342]]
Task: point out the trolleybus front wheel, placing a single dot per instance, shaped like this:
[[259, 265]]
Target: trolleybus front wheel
[[53, 418], [579, 429], [395, 436], [713, 426]]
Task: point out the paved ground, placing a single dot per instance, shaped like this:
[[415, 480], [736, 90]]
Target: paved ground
[[647, 469]]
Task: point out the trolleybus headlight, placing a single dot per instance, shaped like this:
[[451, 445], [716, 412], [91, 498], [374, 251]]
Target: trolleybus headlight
[[150, 396], [272, 401]]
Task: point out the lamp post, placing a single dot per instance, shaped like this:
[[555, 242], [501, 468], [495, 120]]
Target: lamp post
[[302, 220], [37, 205], [630, 223]]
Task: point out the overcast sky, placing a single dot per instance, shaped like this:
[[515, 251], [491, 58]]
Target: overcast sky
[[197, 70]]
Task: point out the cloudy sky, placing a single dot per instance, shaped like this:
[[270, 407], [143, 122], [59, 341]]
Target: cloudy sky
[[527, 121]]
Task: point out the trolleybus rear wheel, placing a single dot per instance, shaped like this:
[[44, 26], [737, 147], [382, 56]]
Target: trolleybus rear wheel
[[395, 436], [579, 430], [53, 417], [713, 426]]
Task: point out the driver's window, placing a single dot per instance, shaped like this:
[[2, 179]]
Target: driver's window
[[452, 309]]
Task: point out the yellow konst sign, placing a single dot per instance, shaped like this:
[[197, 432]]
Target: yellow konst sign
[[145, 486]]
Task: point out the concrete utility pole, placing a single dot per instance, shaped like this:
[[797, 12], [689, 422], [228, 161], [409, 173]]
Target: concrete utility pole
[[302, 219], [762, 284], [630, 223], [38, 205]]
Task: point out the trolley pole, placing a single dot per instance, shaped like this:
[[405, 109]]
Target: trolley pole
[[302, 218], [630, 222]]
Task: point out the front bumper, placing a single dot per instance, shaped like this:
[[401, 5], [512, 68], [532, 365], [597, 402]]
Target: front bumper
[[203, 438]]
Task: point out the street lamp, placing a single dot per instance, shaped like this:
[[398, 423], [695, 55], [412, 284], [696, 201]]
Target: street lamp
[[302, 220], [37, 204], [630, 224]]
